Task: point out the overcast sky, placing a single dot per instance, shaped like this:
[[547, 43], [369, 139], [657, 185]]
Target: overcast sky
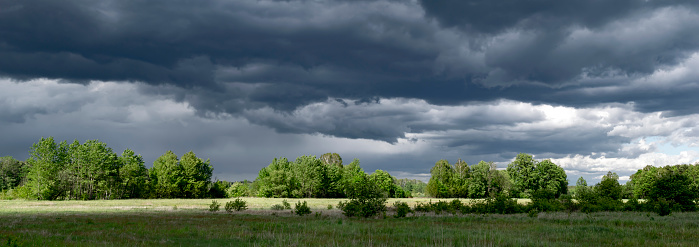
[[594, 85]]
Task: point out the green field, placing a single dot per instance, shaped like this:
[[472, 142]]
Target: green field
[[187, 222]]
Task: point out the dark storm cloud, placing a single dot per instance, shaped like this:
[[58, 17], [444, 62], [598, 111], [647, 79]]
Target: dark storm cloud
[[266, 60], [539, 48]]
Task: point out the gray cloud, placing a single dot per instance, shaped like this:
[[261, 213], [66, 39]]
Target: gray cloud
[[477, 78]]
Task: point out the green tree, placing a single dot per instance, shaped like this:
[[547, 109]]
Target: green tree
[[196, 175], [522, 171], [277, 180], [12, 173], [480, 176], [609, 187], [528, 175], [674, 187], [366, 198], [551, 177], [351, 173], [643, 181], [167, 176], [92, 171], [461, 179], [133, 174], [312, 175], [387, 183], [441, 180], [46, 160]]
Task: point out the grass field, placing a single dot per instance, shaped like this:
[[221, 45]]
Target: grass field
[[187, 222]]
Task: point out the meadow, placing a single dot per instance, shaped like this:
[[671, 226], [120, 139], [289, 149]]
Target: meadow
[[188, 222]]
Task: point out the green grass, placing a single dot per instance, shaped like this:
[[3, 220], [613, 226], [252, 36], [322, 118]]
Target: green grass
[[156, 222]]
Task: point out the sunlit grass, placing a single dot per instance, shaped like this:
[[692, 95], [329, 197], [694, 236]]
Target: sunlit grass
[[157, 222]]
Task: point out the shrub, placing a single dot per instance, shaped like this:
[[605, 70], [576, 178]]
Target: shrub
[[330, 206], [632, 205], [662, 207], [286, 204], [455, 205], [237, 205], [440, 206], [402, 209], [365, 209], [237, 189], [533, 213], [302, 208], [568, 203], [214, 206], [609, 204], [277, 207], [366, 198], [422, 207], [675, 189], [502, 204]]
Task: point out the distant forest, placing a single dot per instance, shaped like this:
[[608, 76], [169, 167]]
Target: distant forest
[[91, 170]]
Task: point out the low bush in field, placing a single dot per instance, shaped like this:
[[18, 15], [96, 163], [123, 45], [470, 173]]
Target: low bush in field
[[286, 204], [366, 198], [422, 207], [402, 209], [440, 206], [237, 205], [302, 208], [277, 207], [214, 206]]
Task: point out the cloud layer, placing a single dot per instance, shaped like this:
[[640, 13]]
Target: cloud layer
[[592, 84]]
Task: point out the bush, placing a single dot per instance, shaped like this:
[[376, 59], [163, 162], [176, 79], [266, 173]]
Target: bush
[[237, 205], [302, 208], [455, 205], [286, 204], [662, 207], [366, 208], [366, 198], [422, 207], [440, 206], [214, 206], [277, 207], [568, 203], [402, 209], [237, 189], [502, 204], [632, 205], [330, 206]]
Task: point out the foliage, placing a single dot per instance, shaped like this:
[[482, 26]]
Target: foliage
[[218, 189], [277, 207], [462, 181], [133, 175], [302, 208], [609, 187], [214, 206], [238, 189], [12, 173], [366, 199], [237, 205], [286, 204], [672, 188], [402, 209], [528, 175], [422, 207], [412, 187]]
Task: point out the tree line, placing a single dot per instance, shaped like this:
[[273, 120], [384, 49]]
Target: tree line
[[92, 170], [522, 177], [324, 177]]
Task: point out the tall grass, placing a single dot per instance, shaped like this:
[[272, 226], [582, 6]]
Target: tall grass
[[153, 222]]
